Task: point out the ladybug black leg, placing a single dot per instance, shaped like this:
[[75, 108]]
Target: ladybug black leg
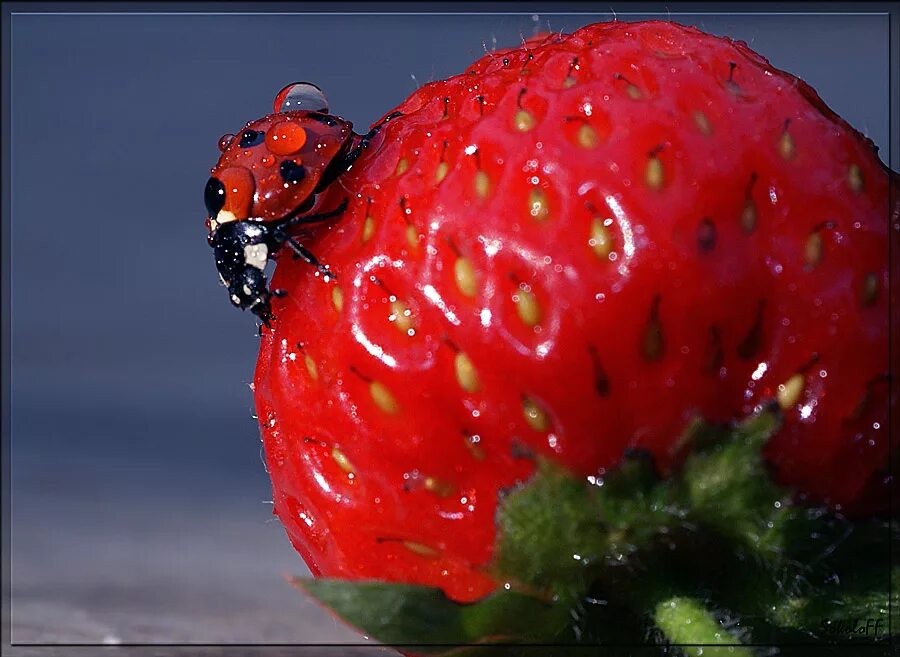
[[309, 218], [301, 252], [265, 316], [342, 162], [363, 143]]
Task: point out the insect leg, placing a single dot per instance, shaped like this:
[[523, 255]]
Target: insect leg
[[312, 218], [301, 252], [351, 156]]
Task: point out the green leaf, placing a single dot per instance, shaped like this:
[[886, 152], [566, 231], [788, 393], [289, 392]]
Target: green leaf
[[421, 616]]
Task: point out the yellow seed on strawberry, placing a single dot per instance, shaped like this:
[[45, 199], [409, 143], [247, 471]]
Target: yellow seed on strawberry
[[702, 123], [870, 289], [654, 173], [587, 136], [537, 205], [466, 374], [482, 184], [812, 251], [401, 316], [466, 280], [402, 166], [786, 145], [311, 367], [383, 398], [441, 171], [527, 306], [600, 239], [789, 392], [337, 298], [420, 549], [412, 236], [535, 416], [341, 459], [855, 178], [748, 216], [439, 487], [523, 121], [368, 229]]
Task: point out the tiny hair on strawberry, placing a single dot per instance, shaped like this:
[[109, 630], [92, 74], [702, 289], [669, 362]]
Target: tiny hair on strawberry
[[586, 345]]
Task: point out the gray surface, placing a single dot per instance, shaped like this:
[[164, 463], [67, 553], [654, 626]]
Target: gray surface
[[138, 494]]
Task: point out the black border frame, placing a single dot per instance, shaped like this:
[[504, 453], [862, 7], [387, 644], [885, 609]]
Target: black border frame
[[603, 12]]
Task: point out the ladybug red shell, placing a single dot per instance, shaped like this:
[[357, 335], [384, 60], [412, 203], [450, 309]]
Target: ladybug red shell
[[276, 163], [265, 183]]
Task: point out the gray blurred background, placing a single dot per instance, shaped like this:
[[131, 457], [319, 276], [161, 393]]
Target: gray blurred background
[[139, 502]]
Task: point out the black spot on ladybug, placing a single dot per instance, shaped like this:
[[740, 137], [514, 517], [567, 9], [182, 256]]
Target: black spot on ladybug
[[706, 235], [322, 118], [291, 172], [214, 196], [250, 138]]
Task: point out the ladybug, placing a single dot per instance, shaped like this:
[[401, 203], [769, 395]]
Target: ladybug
[[265, 183]]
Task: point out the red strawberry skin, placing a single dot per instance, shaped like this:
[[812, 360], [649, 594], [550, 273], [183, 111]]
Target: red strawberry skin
[[659, 224]]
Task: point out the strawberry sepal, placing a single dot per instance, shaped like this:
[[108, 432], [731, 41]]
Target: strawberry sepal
[[715, 553]]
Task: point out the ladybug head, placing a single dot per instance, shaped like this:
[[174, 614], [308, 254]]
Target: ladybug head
[[274, 165]]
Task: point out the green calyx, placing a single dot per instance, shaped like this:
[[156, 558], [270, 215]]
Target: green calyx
[[714, 559]]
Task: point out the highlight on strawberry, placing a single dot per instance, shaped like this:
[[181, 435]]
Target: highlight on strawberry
[[594, 351]]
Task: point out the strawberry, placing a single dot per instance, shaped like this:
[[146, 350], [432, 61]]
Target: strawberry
[[563, 256]]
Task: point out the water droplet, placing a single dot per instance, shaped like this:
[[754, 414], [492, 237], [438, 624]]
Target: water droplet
[[300, 96], [285, 138], [225, 140]]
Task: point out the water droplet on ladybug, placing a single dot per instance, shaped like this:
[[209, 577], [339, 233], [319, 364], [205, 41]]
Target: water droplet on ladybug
[[225, 141], [285, 138], [300, 96]]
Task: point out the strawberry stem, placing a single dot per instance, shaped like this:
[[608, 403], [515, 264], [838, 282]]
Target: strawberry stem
[[687, 621]]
